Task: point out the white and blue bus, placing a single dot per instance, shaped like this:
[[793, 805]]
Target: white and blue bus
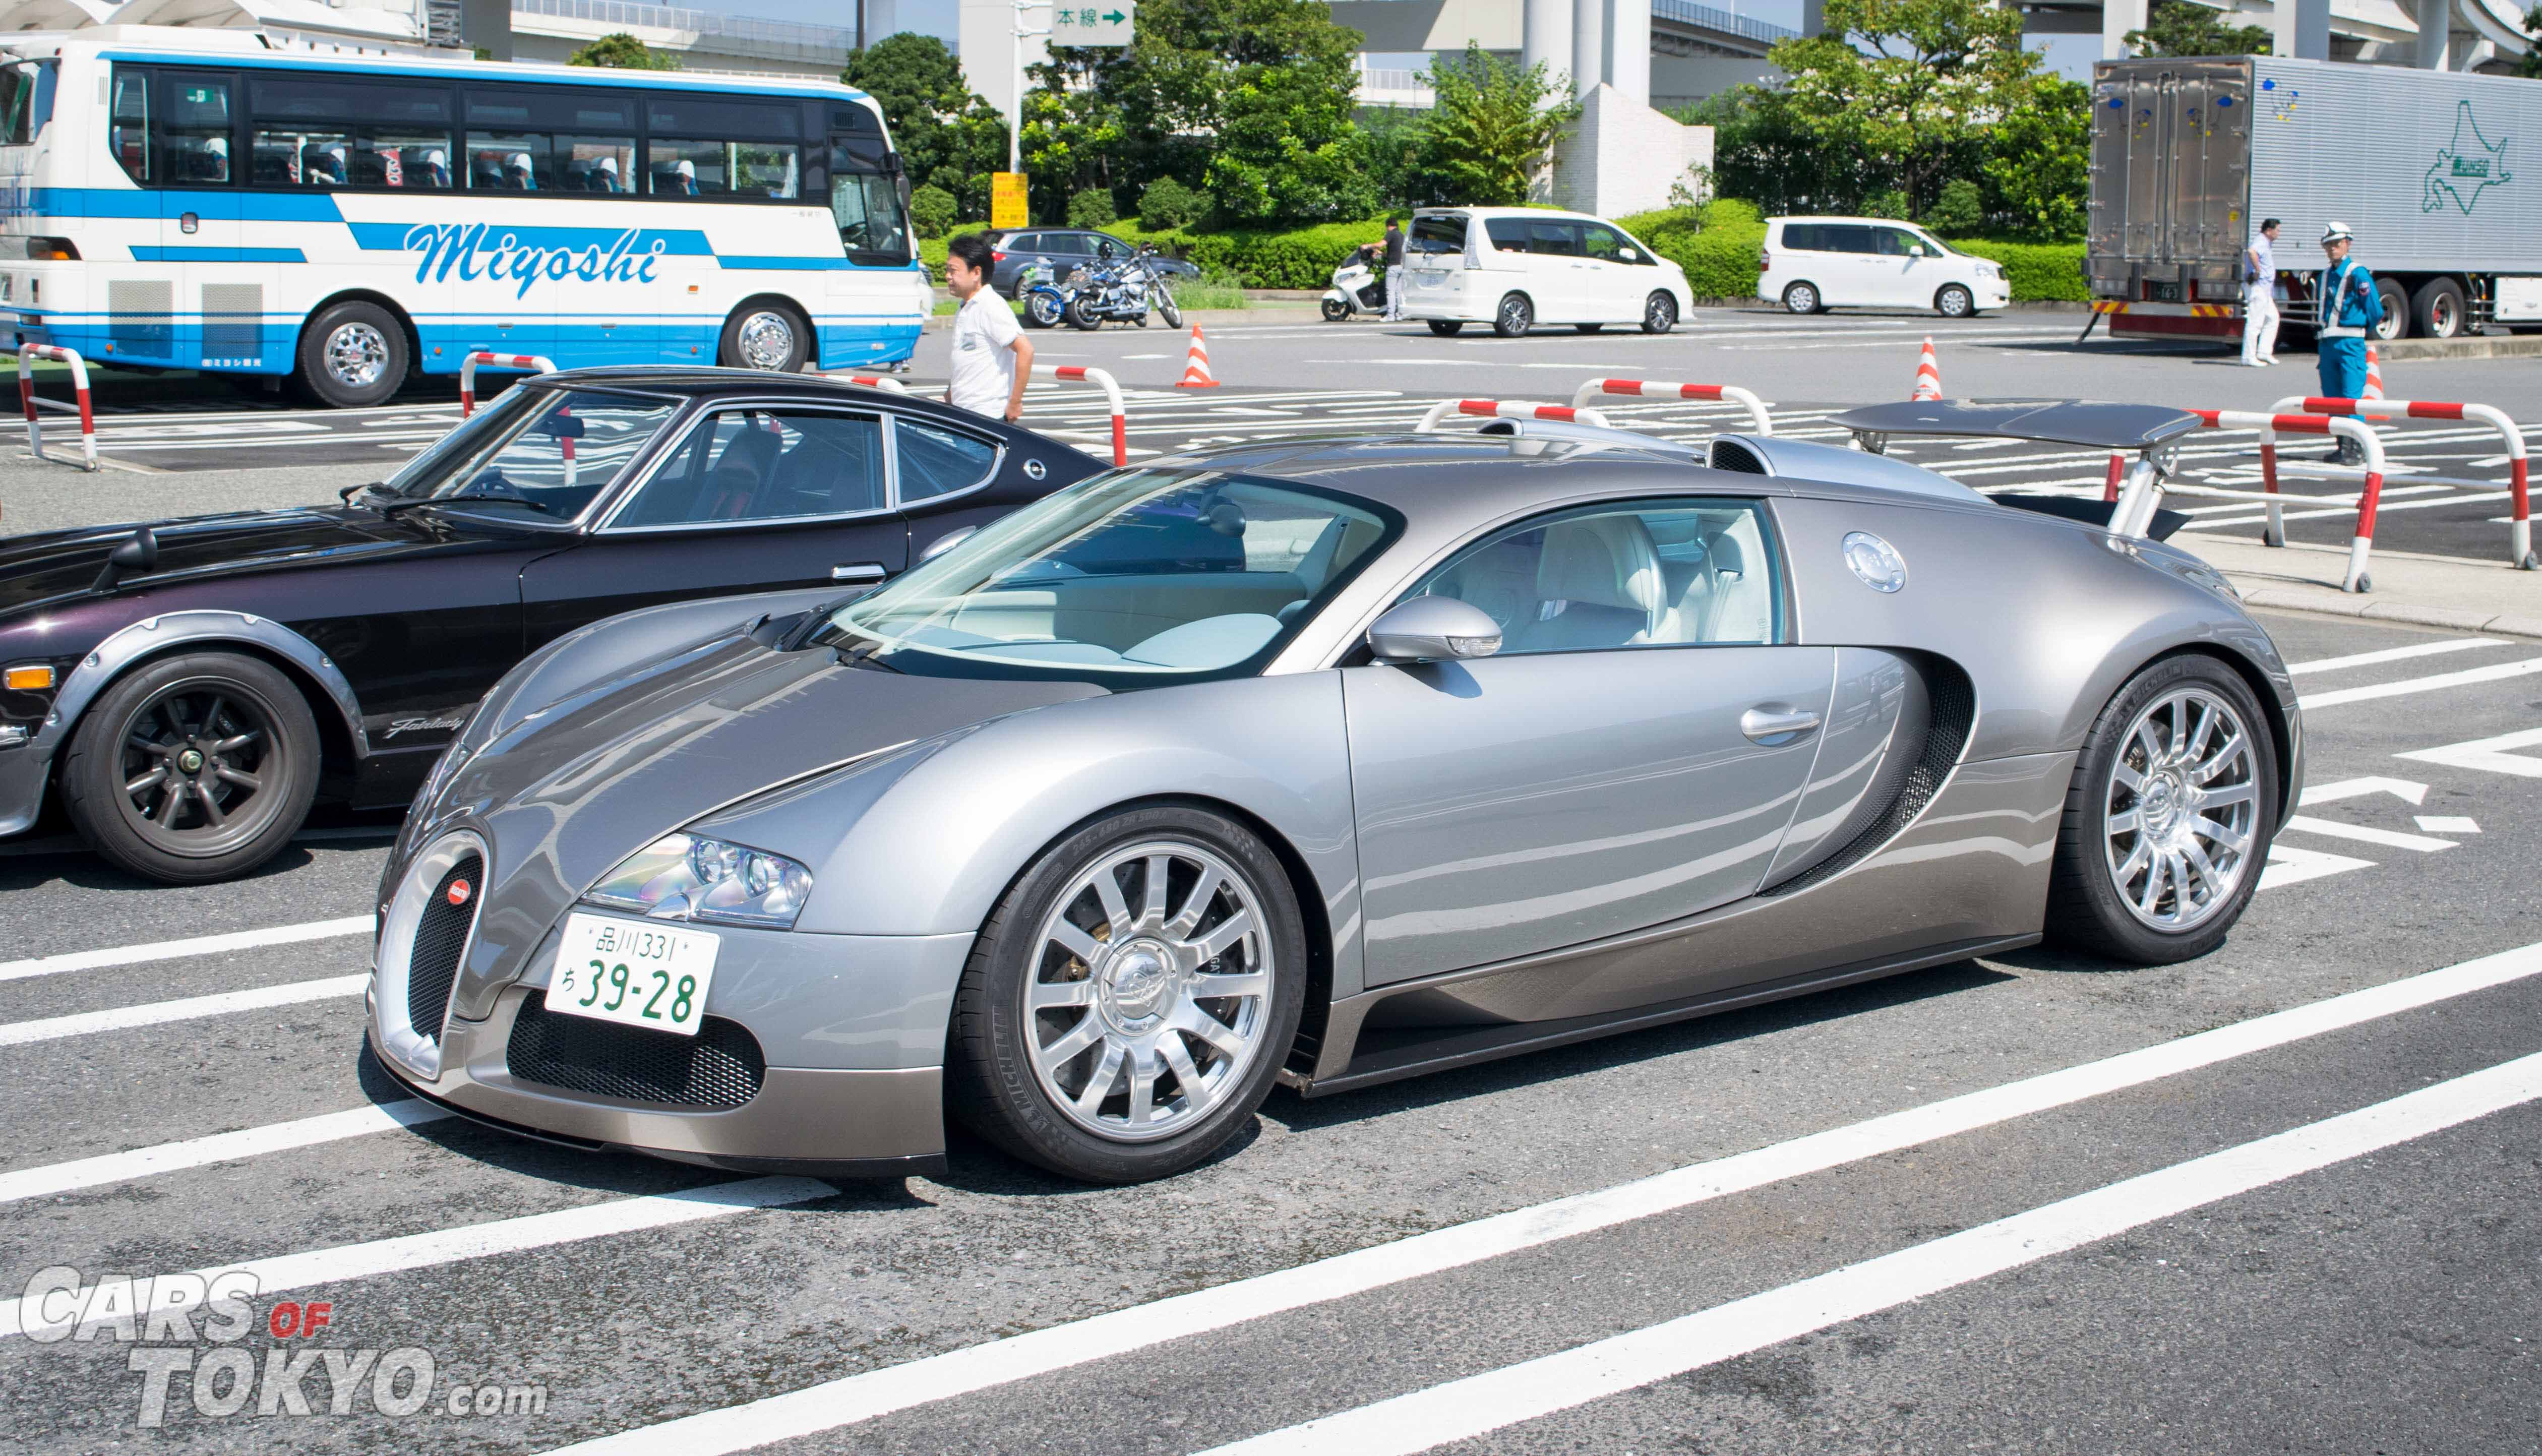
[[197, 199]]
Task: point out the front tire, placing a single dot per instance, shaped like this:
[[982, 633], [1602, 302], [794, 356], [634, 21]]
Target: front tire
[[765, 336], [1042, 311], [1659, 314], [1335, 311], [1166, 309], [1131, 999], [353, 355], [1802, 298], [1446, 328], [1954, 302], [2168, 817], [193, 769], [1513, 318]]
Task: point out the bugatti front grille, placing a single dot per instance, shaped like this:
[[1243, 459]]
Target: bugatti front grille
[[439, 936], [718, 1067]]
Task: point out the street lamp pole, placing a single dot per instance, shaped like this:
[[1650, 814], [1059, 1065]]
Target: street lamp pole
[[1015, 116]]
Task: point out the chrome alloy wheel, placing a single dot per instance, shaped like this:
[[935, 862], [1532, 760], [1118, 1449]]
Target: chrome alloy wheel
[[2182, 809], [1150, 990], [765, 340], [356, 353]]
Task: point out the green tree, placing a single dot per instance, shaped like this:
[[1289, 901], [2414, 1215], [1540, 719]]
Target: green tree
[[2038, 170], [1762, 153], [1492, 128], [623, 52], [2530, 62], [1918, 84], [948, 135], [1166, 204], [932, 211], [2187, 28]]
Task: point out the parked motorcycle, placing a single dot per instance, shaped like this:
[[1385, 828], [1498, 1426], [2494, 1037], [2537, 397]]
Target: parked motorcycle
[[1122, 289], [1045, 301], [1357, 289]]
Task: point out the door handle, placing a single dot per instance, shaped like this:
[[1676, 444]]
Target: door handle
[[865, 571], [1776, 725]]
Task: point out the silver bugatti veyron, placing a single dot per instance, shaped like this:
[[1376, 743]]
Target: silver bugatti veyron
[[1321, 761]]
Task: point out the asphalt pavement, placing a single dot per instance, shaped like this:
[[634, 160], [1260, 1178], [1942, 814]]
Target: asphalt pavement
[[2278, 1198]]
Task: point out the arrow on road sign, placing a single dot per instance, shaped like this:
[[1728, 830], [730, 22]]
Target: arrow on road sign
[[1116, 16]]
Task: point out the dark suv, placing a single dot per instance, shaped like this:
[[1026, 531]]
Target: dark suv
[[1018, 249]]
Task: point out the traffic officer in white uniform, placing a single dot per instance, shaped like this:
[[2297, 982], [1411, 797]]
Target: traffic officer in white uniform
[[2260, 297]]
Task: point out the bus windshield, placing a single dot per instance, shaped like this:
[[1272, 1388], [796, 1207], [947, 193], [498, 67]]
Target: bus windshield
[[864, 199]]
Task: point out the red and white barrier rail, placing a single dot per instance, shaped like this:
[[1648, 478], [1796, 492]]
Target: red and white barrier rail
[[874, 381], [1508, 409], [1669, 390], [27, 354], [529, 363], [2519, 524], [2137, 511], [1087, 374]]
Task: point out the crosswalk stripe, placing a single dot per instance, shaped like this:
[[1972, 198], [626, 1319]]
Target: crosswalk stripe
[[220, 1147], [197, 945], [124, 1018]]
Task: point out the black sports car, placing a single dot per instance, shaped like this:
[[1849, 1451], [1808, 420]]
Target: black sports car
[[191, 686]]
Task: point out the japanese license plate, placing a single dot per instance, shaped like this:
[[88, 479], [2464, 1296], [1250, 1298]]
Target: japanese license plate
[[636, 973]]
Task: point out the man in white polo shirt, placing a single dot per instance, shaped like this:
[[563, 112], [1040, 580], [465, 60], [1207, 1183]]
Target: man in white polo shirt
[[992, 359]]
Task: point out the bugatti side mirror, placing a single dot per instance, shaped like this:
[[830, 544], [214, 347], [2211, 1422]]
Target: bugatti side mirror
[[133, 557], [945, 542], [1433, 629]]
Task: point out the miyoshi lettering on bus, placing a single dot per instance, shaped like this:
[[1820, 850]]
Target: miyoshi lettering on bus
[[468, 247]]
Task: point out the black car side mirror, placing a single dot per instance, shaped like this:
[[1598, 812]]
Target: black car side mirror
[[562, 427], [133, 557]]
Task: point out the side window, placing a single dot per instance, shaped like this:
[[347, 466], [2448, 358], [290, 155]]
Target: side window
[[327, 131], [766, 465], [1508, 233], [1801, 236], [1066, 244], [1845, 237], [1606, 243], [510, 162], [196, 131], [1674, 574], [1898, 242], [128, 131], [1555, 239], [935, 461], [552, 140]]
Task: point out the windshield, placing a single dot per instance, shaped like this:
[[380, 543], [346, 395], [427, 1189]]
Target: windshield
[[545, 453], [1130, 579], [866, 203]]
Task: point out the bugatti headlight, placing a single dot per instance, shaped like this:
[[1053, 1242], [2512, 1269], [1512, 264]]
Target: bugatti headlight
[[690, 877]]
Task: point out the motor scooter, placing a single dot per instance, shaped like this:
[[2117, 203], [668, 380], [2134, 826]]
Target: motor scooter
[[1356, 289]]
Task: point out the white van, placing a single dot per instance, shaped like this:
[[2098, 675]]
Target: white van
[[1814, 263], [1514, 267]]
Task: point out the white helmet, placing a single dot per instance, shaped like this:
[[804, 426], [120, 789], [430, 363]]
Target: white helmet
[[218, 146], [609, 165], [435, 157], [520, 160], [2336, 232], [687, 169]]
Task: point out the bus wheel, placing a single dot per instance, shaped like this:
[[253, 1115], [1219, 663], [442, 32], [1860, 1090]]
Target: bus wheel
[[765, 336], [352, 354]]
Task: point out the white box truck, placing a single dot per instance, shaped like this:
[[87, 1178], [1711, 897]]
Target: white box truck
[[2439, 173]]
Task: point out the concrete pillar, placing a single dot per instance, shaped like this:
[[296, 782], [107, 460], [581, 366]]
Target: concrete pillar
[[1813, 17], [2436, 34], [1544, 37], [2302, 29], [1588, 45], [1628, 48], [2117, 17]]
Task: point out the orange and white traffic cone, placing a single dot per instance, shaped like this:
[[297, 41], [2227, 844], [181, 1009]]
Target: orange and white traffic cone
[[2374, 376], [1196, 375], [1928, 375]]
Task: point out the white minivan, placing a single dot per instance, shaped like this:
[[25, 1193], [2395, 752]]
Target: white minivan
[[1815, 263], [1514, 267]]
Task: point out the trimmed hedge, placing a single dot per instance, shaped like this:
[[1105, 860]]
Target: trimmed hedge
[[1716, 245], [2036, 270]]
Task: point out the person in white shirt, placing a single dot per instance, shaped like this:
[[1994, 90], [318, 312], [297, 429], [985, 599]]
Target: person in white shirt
[[2260, 297], [992, 359]]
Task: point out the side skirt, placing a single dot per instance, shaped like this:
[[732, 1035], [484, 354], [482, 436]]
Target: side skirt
[[1466, 1045]]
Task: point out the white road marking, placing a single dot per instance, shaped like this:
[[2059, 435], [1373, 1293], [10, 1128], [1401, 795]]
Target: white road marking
[[1461, 1410], [482, 1240], [2447, 824], [124, 1018], [2358, 788], [219, 1147], [2488, 754], [199, 945], [844, 1402], [2391, 654], [2495, 672], [2289, 866], [2389, 839]]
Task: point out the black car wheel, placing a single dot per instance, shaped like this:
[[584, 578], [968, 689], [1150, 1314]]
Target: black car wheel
[[1446, 328], [2168, 817], [353, 355], [1659, 314], [1515, 317], [1954, 302], [193, 769], [1130, 1000], [766, 334]]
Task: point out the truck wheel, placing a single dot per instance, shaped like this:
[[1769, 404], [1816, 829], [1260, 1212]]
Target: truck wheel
[[2437, 308], [2395, 323]]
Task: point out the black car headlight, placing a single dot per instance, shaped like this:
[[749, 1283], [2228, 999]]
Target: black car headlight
[[690, 877]]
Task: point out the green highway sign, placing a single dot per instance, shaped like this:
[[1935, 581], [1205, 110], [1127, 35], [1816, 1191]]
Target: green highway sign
[[1107, 23]]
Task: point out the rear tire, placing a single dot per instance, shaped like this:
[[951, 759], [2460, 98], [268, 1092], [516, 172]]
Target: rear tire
[[765, 336], [1803, 298], [2148, 872], [353, 355], [1048, 1007], [1446, 328], [2437, 309], [1513, 318], [1079, 315], [194, 768]]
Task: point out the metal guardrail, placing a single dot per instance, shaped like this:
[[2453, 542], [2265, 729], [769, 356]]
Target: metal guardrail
[[784, 37], [1687, 12]]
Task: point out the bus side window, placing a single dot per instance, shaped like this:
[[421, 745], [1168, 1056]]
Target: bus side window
[[128, 131]]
